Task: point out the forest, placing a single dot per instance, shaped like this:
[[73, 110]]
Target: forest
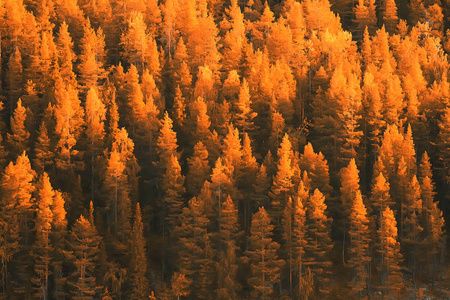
[[224, 149]]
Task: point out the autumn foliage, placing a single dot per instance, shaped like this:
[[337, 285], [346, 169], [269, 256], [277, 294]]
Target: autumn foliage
[[182, 149]]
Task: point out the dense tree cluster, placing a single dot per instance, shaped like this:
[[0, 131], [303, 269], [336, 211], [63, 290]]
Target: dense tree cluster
[[182, 149]]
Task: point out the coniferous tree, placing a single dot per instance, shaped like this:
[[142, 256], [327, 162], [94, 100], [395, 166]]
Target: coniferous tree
[[42, 149], [18, 202], [198, 169], [359, 245], [262, 254], [282, 186], [319, 243], [173, 189], [228, 286], [95, 132], [167, 143], [390, 257], [349, 189], [84, 250], [18, 139], [117, 200], [195, 249], [138, 259], [58, 237], [42, 248]]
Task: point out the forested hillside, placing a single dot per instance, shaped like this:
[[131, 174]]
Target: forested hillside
[[224, 149]]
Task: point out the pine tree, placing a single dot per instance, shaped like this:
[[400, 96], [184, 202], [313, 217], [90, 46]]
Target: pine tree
[[138, 259], [359, 245], [390, 257], [84, 250], [319, 243], [42, 250], [262, 254]]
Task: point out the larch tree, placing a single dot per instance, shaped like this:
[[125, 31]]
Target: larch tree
[[58, 237], [390, 17], [227, 283], [69, 120], [198, 169], [173, 193], [234, 37], [411, 227], [140, 47], [84, 250], [380, 197], [169, 30], [222, 184], [19, 137], [42, 250], [117, 200], [262, 254], [15, 76], [195, 253], [349, 189], [95, 132], [92, 57], [390, 258], [66, 54], [359, 253], [319, 243], [142, 114], [16, 227], [432, 220], [244, 113], [43, 154], [166, 143], [282, 186], [365, 16], [317, 168], [232, 150], [294, 230], [138, 258], [444, 147]]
